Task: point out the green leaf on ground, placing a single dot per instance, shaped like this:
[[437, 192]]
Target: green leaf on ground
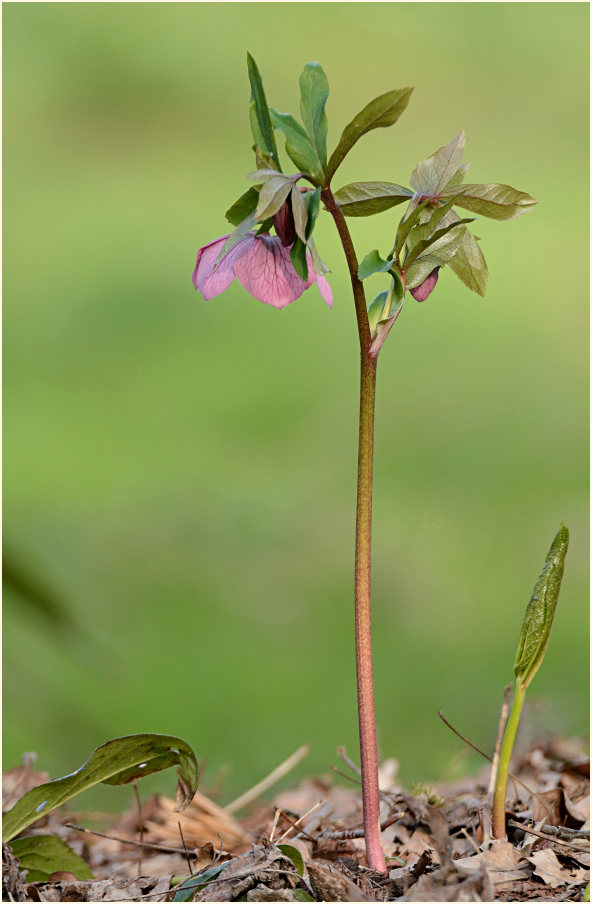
[[294, 855], [538, 619], [191, 886], [494, 200], [117, 762], [363, 199], [314, 91], [381, 112], [261, 127], [42, 855]]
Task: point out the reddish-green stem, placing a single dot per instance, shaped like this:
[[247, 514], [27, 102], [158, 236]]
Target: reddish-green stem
[[363, 629]]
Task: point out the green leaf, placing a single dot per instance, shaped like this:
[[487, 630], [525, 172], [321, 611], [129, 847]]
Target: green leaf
[[440, 253], [314, 91], [383, 312], [116, 762], [430, 176], [302, 895], [272, 195], [538, 619], [469, 264], [298, 258], [260, 119], [420, 247], [373, 263], [458, 178], [188, 890], [406, 225], [294, 855], [243, 207], [363, 199], [298, 145], [313, 205], [498, 202], [300, 213], [381, 112], [42, 855]]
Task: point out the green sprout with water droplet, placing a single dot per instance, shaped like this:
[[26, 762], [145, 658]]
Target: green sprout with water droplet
[[533, 642]]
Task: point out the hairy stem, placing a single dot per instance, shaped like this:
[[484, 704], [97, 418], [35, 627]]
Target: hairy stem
[[501, 782], [363, 624]]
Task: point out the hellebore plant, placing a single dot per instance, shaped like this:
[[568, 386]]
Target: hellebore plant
[[533, 642], [276, 269]]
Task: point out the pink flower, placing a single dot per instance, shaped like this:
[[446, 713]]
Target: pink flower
[[263, 267], [421, 292]]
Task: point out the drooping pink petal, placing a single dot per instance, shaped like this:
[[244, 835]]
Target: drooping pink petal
[[325, 290], [212, 280], [267, 273], [421, 292]]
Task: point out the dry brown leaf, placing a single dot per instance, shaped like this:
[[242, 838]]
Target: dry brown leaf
[[552, 872]]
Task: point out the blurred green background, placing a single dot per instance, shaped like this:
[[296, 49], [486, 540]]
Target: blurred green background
[[182, 475]]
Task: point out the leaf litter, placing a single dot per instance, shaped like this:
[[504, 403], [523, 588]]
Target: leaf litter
[[309, 845]]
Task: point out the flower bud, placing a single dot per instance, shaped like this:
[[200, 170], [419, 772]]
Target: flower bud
[[283, 222], [421, 292]]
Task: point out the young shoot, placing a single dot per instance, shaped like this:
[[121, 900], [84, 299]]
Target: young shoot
[[534, 638]]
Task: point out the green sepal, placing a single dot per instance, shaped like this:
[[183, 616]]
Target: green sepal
[[299, 212], [313, 206], [538, 619], [298, 258], [272, 195], [261, 127], [243, 207], [235, 237], [314, 91], [381, 112]]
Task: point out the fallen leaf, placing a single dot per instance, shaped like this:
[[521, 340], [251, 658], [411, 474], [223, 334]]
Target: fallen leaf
[[552, 872]]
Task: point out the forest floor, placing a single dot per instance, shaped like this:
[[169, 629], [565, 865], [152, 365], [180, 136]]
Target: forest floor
[[308, 845]]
